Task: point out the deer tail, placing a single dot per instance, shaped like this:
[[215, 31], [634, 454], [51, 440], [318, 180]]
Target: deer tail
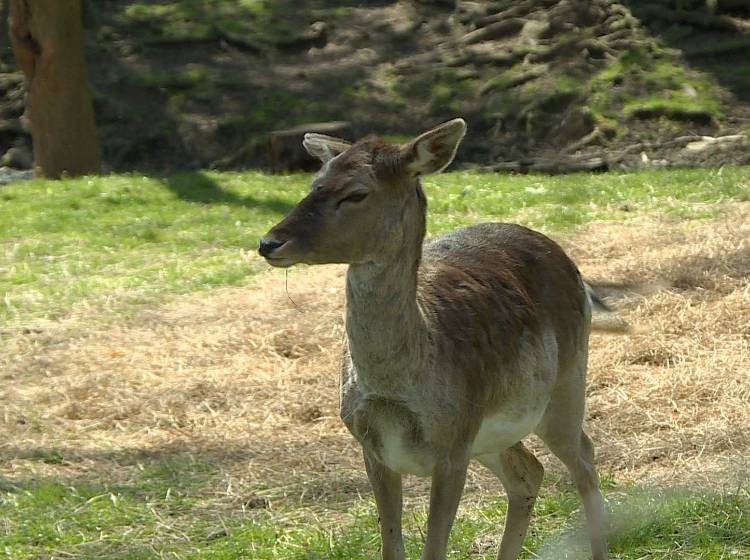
[[605, 318]]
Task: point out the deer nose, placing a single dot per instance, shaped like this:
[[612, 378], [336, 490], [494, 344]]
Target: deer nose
[[268, 246]]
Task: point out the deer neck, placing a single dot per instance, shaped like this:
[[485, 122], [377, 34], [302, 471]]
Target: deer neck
[[385, 328]]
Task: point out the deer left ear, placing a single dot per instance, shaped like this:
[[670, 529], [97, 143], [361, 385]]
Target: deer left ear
[[434, 150], [324, 147]]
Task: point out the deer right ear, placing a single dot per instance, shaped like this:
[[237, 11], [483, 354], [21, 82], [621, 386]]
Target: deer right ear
[[323, 147], [434, 150]]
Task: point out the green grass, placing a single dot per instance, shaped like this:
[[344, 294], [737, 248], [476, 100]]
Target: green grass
[[125, 239], [179, 509], [107, 243], [684, 526], [560, 203]]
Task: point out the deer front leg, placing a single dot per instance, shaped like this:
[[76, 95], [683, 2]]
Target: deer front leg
[[448, 480], [386, 485]]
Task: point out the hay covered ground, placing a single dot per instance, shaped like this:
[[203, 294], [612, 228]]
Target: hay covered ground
[[245, 378]]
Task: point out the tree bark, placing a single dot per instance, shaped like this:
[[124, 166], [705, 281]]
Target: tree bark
[[47, 40], [4, 27]]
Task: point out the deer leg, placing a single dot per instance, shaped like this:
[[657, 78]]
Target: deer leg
[[521, 474], [587, 482], [448, 480], [578, 457], [561, 429], [386, 485]]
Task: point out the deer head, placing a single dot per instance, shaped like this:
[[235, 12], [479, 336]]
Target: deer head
[[365, 203]]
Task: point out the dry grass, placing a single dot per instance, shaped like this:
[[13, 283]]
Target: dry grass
[[672, 401], [246, 379]]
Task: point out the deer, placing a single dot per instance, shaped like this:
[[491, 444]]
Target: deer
[[456, 348]]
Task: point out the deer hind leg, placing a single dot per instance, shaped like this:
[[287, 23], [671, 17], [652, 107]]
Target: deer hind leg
[[578, 459], [562, 432], [386, 485], [521, 474]]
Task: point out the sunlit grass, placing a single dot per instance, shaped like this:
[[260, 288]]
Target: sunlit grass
[[124, 239], [180, 509], [109, 242]]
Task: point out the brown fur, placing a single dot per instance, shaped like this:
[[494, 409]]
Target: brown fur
[[494, 288], [455, 349]]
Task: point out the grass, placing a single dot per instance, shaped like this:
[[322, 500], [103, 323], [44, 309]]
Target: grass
[[678, 526], [92, 241], [559, 203], [181, 509], [111, 242]]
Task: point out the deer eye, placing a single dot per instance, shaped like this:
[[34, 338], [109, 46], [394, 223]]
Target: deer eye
[[357, 196]]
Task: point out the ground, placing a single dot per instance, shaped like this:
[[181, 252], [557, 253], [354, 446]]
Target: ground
[[246, 377], [165, 394]]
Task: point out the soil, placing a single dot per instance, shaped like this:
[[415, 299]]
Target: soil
[[545, 85]]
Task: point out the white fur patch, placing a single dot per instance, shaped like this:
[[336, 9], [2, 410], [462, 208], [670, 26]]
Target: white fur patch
[[521, 415], [424, 156], [504, 429], [315, 146], [403, 460], [434, 150]]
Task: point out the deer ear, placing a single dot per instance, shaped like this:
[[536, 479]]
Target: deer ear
[[434, 150], [323, 147]]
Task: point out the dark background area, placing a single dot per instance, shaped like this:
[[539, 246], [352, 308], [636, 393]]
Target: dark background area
[[187, 84]]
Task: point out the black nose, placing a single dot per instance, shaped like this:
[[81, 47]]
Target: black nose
[[268, 246]]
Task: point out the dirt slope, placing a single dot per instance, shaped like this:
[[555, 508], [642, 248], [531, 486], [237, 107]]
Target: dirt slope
[[544, 84]]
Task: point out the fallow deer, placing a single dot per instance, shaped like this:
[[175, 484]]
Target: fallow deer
[[455, 349]]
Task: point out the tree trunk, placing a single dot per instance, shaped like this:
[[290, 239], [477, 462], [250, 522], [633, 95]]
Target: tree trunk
[[47, 40], [4, 31]]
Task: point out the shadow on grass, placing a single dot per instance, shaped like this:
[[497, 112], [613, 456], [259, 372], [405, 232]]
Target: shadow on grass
[[200, 188], [192, 469], [713, 275]]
